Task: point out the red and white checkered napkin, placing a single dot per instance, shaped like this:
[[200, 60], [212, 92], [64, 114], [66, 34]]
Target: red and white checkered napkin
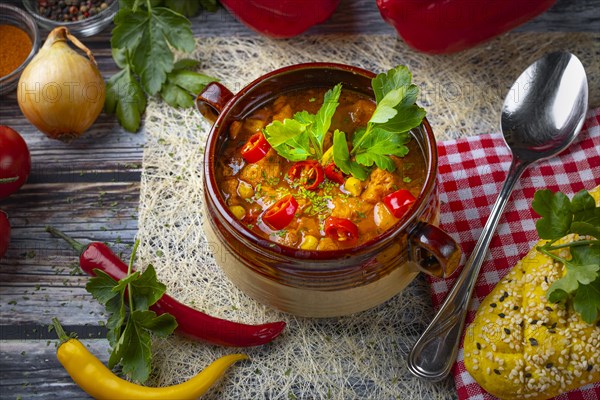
[[471, 174]]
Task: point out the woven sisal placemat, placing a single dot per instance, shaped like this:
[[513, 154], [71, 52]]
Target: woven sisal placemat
[[359, 356]]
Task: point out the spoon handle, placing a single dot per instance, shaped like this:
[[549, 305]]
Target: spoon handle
[[434, 353]]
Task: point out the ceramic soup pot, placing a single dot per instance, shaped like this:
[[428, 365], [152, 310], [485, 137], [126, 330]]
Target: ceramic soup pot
[[309, 282]]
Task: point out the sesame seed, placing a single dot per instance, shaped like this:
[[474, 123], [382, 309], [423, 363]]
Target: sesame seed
[[493, 305], [501, 299], [589, 367], [507, 331], [535, 321], [553, 326], [475, 367], [551, 331], [496, 372], [505, 294], [533, 342], [548, 308], [515, 308], [501, 315], [478, 346], [549, 365], [527, 375]]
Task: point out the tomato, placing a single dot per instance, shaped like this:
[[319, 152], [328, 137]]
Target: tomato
[[15, 161], [333, 173], [309, 172], [256, 148], [4, 233], [341, 229], [399, 202], [280, 214]]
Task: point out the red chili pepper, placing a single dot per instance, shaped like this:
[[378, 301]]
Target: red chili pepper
[[256, 148], [281, 19], [190, 322], [280, 214], [446, 26], [399, 202], [341, 229], [310, 173], [333, 173]]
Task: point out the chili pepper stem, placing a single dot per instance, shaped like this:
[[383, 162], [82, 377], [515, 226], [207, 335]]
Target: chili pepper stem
[[80, 247], [129, 269], [60, 332], [9, 180]]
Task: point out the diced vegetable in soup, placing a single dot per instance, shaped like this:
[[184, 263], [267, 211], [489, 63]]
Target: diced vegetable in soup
[[317, 169]]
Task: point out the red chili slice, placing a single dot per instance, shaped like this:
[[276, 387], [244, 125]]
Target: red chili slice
[[333, 173], [399, 202], [310, 173], [280, 214], [255, 148], [341, 229]]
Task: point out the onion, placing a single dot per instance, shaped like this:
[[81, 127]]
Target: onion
[[61, 92]]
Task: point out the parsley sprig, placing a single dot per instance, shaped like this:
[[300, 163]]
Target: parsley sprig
[[142, 46], [560, 217], [129, 333], [301, 137], [385, 135]]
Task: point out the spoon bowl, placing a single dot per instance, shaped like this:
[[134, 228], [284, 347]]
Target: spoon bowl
[[542, 115], [539, 120]]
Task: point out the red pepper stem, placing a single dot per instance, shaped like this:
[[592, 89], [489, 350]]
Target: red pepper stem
[[60, 332], [80, 247], [9, 180]]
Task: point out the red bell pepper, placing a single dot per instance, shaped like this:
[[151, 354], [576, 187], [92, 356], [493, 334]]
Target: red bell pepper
[[309, 172], [333, 173], [341, 229], [281, 18], [280, 214], [256, 148], [399, 202], [446, 26]]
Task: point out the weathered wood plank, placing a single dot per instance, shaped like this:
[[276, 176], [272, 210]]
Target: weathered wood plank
[[30, 369]]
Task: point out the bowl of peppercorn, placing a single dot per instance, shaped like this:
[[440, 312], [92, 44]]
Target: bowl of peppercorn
[[81, 17], [19, 42]]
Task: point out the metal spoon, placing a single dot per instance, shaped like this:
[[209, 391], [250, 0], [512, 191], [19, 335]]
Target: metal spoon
[[541, 116]]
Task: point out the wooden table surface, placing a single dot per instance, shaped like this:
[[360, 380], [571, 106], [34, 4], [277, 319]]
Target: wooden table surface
[[90, 189]]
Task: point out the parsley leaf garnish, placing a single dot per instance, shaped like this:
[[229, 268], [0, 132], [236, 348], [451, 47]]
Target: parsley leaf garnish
[[129, 333], [302, 137], [386, 133], [560, 217], [143, 40]]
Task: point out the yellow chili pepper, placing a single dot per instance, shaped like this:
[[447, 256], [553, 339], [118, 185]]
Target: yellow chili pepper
[[99, 382]]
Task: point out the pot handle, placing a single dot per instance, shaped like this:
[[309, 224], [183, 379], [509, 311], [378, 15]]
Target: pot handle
[[211, 101], [433, 250]]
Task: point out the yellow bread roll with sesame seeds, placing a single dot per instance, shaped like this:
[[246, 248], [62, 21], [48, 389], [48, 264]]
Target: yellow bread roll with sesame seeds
[[520, 346]]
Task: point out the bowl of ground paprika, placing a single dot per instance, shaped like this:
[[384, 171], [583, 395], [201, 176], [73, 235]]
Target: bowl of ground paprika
[[19, 42]]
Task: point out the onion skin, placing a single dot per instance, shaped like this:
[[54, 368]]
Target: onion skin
[[61, 92]]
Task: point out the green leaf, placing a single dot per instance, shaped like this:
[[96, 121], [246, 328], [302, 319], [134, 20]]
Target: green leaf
[[122, 284], [125, 98], [188, 8], [101, 286], [185, 63], [323, 117], [341, 157], [191, 81], [279, 132], [117, 313], [386, 107], [406, 118], [585, 229], [554, 208], [587, 301], [146, 290], [175, 27], [128, 26], [209, 5], [380, 145], [135, 349], [176, 96], [161, 326], [385, 82]]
